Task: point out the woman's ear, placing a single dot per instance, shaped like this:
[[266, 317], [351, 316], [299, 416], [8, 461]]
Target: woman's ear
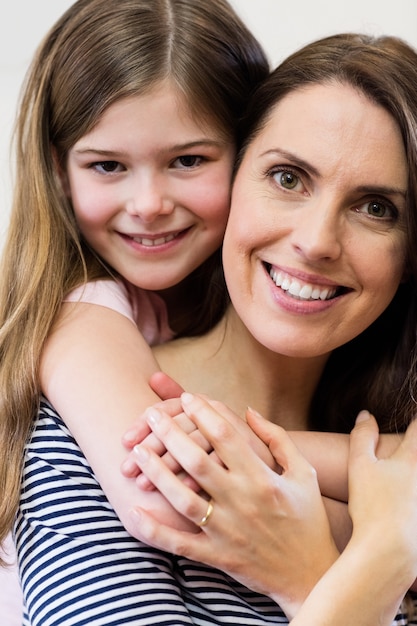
[[61, 172]]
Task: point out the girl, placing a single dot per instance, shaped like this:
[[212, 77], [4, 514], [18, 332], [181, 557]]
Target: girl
[[125, 144]]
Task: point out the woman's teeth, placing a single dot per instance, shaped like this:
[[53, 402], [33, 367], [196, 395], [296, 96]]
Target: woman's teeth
[[301, 290]]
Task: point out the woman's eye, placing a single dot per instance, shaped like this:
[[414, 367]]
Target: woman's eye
[[107, 167], [378, 208], [188, 161], [286, 179]]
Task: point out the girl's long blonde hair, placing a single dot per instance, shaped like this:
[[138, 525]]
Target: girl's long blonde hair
[[97, 53]]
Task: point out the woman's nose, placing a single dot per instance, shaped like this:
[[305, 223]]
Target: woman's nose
[[316, 235]]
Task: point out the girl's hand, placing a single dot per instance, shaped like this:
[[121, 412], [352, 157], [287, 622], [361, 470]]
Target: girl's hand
[[263, 527], [169, 391]]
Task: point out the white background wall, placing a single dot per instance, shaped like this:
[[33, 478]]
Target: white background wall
[[281, 26]]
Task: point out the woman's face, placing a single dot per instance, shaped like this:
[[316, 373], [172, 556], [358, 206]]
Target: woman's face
[[315, 244]]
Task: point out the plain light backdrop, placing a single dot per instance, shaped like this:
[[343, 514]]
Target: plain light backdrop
[[280, 26]]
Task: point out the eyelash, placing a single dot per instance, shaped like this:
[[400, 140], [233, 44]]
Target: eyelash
[[273, 171], [197, 157], [100, 164], [395, 214]]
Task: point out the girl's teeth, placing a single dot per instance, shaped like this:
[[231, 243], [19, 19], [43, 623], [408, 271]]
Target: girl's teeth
[[154, 242], [303, 291]]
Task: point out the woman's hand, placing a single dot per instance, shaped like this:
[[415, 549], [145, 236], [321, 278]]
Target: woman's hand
[[268, 530], [383, 494], [368, 581]]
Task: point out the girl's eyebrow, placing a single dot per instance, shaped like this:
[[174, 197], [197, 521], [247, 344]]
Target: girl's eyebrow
[[174, 148], [199, 142], [382, 190]]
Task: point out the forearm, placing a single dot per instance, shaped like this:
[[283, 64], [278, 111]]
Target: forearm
[[328, 453], [362, 587]]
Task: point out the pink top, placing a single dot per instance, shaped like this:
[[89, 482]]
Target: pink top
[[148, 312], [144, 308]]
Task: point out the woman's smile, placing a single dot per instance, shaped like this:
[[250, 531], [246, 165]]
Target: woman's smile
[[301, 289]]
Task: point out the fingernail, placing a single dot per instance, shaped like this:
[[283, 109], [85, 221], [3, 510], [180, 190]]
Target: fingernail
[[362, 416], [153, 416], [249, 408], [129, 436], [135, 515], [142, 454], [187, 398]]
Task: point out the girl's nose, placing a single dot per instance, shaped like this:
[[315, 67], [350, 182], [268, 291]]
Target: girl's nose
[[149, 199]]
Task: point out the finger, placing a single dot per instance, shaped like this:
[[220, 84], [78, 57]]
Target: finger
[[156, 444], [181, 497], [364, 437], [192, 458], [230, 446], [223, 436], [270, 434], [136, 433], [129, 467], [190, 545], [172, 406], [172, 464], [165, 386]]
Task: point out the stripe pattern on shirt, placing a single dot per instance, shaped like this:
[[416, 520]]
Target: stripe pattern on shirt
[[79, 566]]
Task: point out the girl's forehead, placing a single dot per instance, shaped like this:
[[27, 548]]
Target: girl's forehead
[[187, 107]]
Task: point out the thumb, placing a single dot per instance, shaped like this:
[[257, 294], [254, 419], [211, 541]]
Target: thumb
[[364, 437], [279, 442], [165, 386]]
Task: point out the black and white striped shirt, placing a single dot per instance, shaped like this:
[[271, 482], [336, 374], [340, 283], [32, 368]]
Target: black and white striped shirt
[[79, 566]]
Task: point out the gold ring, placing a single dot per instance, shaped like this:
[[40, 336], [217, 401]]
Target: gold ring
[[206, 517]]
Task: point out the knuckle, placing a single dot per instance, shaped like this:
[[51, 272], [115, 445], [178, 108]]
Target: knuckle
[[190, 508], [222, 431], [198, 464]]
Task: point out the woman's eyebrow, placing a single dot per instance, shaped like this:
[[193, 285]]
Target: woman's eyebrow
[[290, 156], [383, 190]]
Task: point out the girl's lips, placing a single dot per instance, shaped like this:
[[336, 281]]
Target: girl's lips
[[152, 241], [302, 289]]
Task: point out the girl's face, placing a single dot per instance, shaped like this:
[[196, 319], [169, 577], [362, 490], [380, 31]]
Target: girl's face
[[315, 245], [150, 188]]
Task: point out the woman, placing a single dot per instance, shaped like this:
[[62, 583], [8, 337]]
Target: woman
[[307, 196], [301, 221]]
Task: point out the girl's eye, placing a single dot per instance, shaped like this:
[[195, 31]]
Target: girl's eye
[[379, 209], [187, 161], [287, 179], [107, 167]]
